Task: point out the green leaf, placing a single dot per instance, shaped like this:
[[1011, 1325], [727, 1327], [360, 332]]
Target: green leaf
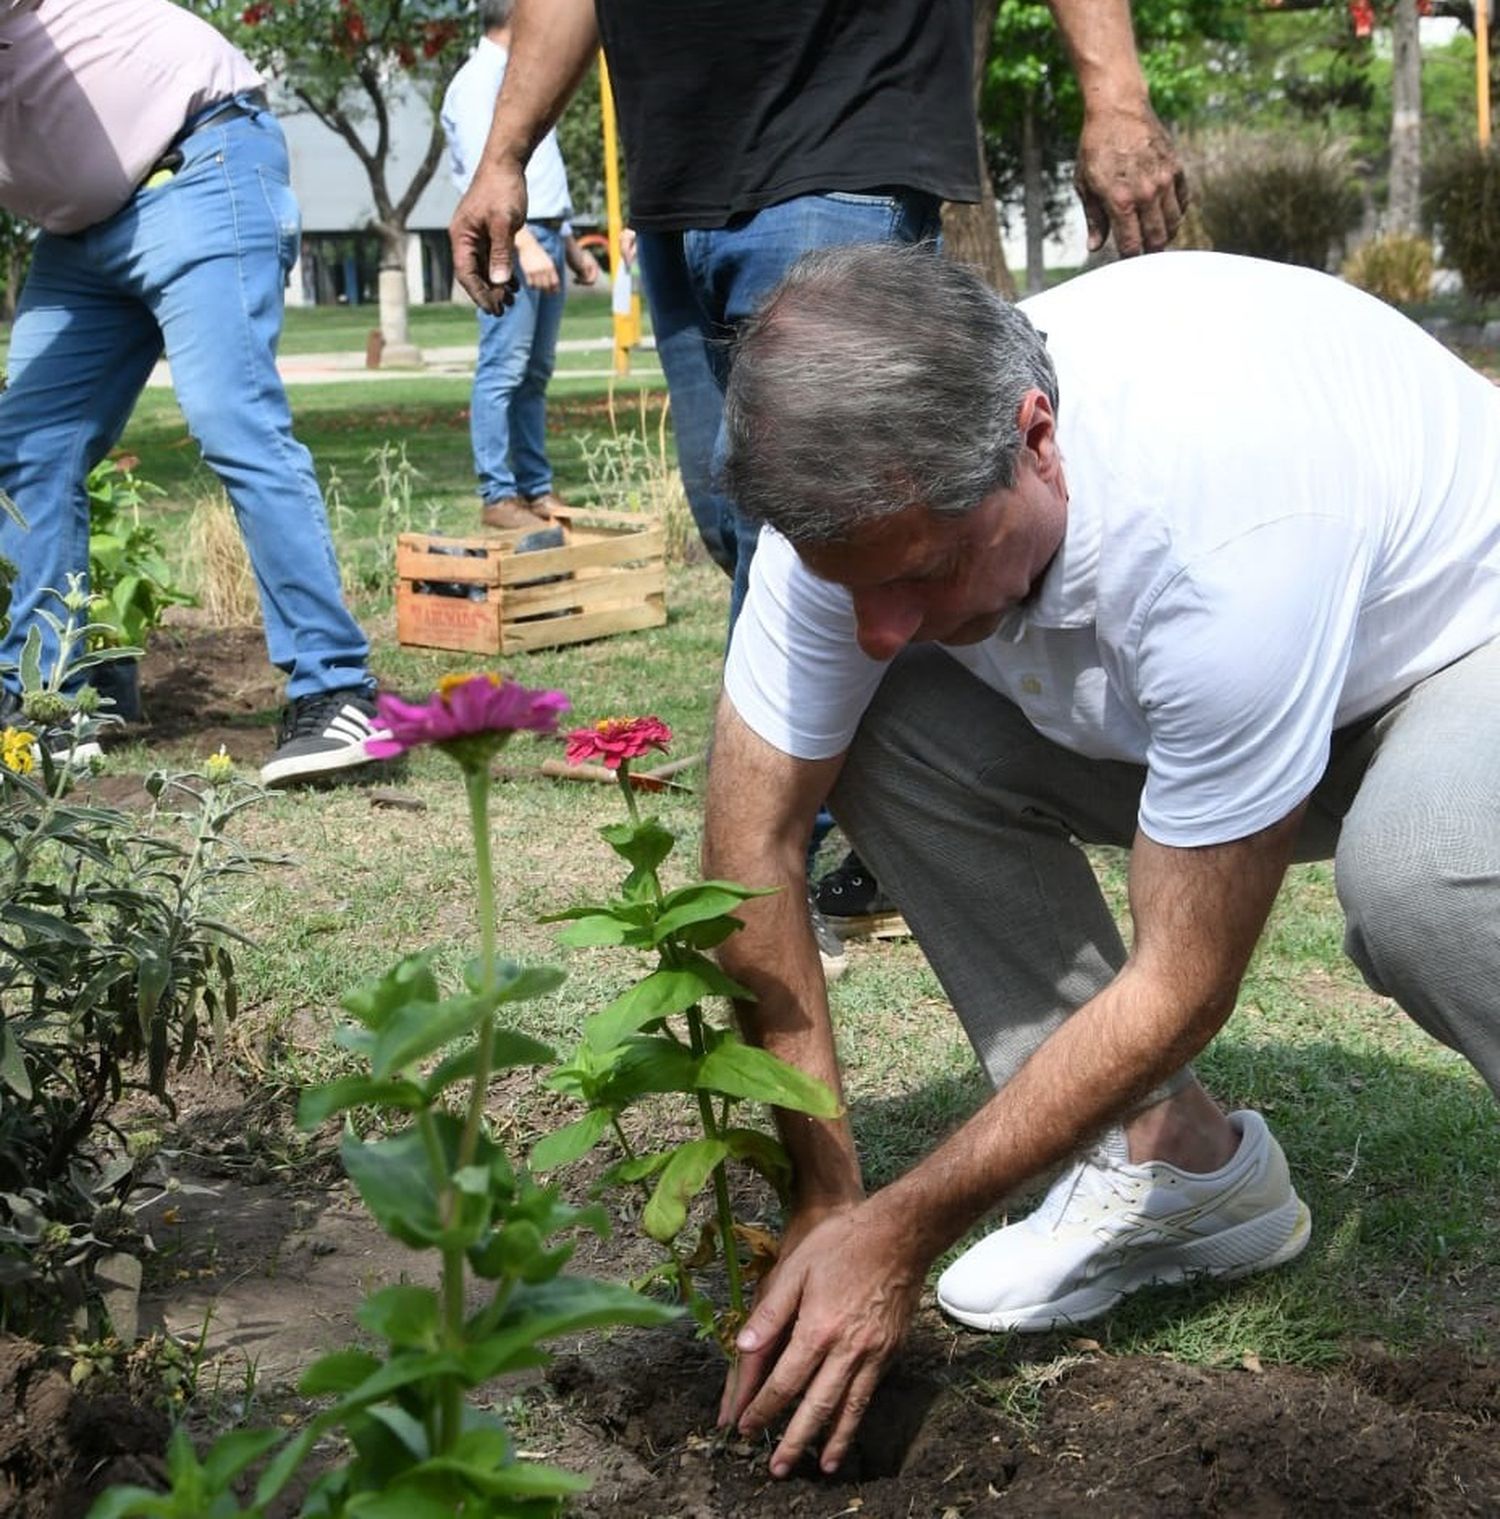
[[598, 928], [410, 1317], [659, 995], [339, 1371], [684, 1175], [765, 1153], [645, 845], [418, 1029], [637, 1167], [565, 1145], [394, 1177], [514, 982], [31, 660], [404, 1500], [13, 1070], [410, 980], [317, 1104], [735, 1069], [45, 927], [698, 903], [230, 1454], [648, 1063], [564, 1305]]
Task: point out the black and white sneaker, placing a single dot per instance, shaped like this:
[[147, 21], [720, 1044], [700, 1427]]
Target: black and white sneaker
[[319, 735]]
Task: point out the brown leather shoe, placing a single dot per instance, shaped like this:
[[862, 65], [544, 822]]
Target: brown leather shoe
[[547, 503], [510, 513]]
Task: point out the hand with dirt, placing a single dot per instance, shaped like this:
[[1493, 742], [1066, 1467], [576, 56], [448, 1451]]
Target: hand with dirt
[[1130, 181], [828, 1319], [483, 231]]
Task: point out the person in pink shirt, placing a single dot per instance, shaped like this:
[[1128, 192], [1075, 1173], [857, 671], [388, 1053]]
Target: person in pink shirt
[[138, 139]]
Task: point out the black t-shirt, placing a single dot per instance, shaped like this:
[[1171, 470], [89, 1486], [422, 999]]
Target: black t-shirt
[[726, 106]]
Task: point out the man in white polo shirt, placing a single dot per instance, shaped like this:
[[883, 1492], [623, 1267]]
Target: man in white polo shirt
[[1194, 554], [139, 140]]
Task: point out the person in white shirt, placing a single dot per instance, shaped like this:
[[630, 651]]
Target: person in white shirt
[[1196, 555], [508, 412]]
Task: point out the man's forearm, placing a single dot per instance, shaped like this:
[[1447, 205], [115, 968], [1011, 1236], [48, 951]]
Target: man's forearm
[[552, 44], [775, 957], [1101, 45]]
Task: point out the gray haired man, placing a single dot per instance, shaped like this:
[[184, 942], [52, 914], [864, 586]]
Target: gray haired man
[[1183, 556]]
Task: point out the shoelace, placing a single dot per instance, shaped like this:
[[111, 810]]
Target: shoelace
[[1095, 1179]]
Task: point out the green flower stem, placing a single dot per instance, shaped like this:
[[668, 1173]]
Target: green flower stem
[[477, 785], [721, 1180], [629, 790]]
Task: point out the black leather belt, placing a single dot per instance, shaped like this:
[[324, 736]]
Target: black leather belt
[[171, 159], [551, 223]]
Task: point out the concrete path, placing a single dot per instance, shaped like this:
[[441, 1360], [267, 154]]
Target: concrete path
[[441, 362]]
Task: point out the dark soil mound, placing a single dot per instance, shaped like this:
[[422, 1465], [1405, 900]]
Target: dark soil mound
[[1110, 1438], [61, 1447]]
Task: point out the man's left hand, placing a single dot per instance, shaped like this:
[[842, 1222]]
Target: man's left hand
[[828, 1320], [1130, 180], [585, 267]]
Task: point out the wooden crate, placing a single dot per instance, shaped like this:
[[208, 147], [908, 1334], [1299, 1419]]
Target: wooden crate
[[609, 576]]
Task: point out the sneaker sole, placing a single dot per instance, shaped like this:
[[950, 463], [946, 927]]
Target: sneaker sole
[[870, 925], [1225, 1256], [833, 966], [310, 766], [77, 758]]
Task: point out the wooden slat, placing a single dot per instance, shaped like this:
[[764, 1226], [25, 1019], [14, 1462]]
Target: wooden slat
[[515, 569], [447, 622], [554, 631], [634, 521], [412, 565], [623, 586]]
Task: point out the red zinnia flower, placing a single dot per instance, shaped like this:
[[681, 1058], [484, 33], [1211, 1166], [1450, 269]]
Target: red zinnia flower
[[617, 739], [463, 709]]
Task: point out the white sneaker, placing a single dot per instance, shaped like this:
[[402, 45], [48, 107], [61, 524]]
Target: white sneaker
[[1107, 1227]]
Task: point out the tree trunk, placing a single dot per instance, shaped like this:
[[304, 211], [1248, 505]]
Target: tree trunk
[[1404, 206], [971, 234], [396, 347], [1033, 199]]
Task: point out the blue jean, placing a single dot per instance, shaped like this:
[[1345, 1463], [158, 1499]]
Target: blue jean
[[508, 412], [701, 284], [196, 266]]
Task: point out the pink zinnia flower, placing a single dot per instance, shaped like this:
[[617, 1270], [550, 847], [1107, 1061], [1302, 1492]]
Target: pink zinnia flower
[[617, 739], [468, 716]]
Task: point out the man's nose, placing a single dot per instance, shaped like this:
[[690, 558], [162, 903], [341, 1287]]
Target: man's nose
[[886, 621]]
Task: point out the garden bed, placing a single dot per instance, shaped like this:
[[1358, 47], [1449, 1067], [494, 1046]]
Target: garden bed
[[280, 1251]]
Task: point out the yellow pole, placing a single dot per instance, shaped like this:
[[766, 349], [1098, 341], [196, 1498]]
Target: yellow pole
[[1482, 67], [627, 305]]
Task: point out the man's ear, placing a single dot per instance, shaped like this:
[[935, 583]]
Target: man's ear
[[1038, 424]]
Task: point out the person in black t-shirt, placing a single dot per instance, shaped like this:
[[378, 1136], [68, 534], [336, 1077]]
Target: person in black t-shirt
[[755, 133]]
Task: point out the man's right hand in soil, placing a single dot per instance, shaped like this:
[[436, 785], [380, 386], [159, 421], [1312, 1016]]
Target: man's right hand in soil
[[827, 1321]]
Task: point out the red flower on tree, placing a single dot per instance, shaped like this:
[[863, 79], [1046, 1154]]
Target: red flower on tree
[[616, 740]]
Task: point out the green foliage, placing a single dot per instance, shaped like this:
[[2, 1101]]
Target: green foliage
[[1463, 203], [632, 1048], [129, 578], [434, 1179], [1292, 198], [1397, 268], [110, 968]]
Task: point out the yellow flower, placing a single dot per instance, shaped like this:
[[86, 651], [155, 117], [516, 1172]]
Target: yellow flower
[[219, 767], [17, 751]]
